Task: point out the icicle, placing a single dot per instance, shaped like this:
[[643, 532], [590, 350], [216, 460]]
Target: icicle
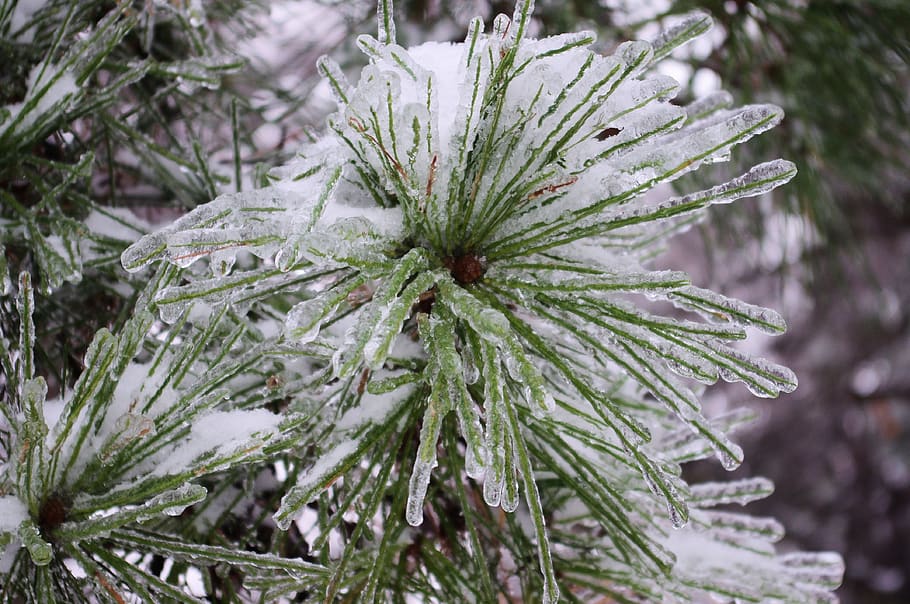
[[337, 457], [288, 255], [469, 361], [172, 302], [128, 428], [6, 285], [424, 462], [493, 326], [708, 105], [494, 400], [501, 26], [510, 492], [521, 370], [521, 18], [33, 460], [560, 43], [171, 503], [488, 323], [661, 485], [762, 377], [144, 251], [71, 432], [452, 392], [589, 282], [476, 455], [179, 499], [823, 569], [385, 16], [350, 355], [222, 262], [392, 383], [757, 181], [475, 30], [636, 55]]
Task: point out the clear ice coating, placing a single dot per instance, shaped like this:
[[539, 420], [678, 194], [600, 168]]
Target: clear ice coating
[[424, 463], [533, 156], [174, 503], [305, 319], [41, 551], [379, 345]]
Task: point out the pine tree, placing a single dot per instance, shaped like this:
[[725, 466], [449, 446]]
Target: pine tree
[[430, 352]]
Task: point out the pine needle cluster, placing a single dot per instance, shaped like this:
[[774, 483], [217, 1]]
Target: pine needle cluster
[[429, 359]]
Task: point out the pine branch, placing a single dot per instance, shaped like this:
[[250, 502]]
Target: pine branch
[[485, 221], [419, 361]]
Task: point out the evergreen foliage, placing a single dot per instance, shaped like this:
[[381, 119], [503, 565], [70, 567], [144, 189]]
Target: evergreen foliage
[[108, 107], [847, 119], [840, 69], [434, 336]]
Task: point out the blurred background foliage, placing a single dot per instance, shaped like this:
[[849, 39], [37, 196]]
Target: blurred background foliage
[[188, 98]]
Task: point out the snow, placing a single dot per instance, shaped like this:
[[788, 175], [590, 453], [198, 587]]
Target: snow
[[425, 91], [223, 428], [387, 221], [327, 462], [307, 520], [373, 408], [200, 313], [218, 433], [74, 568], [12, 513], [47, 88], [53, 408], [444, 60], [116, 223], [8, 556], [23, 11], [133, 389], [194, 582]]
